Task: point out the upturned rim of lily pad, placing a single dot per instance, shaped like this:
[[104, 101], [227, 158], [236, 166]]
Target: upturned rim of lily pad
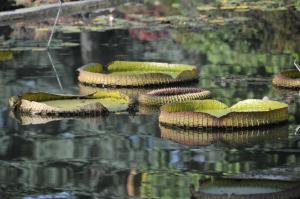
[[136, 74], [159, 97], [287, 79], [282, 189], [213, 113], [35, 103], [230, 137]]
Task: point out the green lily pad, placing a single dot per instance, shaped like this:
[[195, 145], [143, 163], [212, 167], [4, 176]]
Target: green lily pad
[[212, 113], [54, 104], [111, 104], [287, 79], [159, 97], [5, 55], [130, 73]]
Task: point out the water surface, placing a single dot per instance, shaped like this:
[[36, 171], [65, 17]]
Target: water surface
[[124, 156]]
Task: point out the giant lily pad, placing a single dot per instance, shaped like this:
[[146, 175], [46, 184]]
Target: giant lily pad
[[136, 74], [132, 93], [212, 113], [159, 97], [287, 79], [240, 189], [231, 137], [41, 103]]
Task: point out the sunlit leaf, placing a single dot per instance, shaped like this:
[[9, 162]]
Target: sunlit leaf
[[52, 104], [212, 113], [130, 73]]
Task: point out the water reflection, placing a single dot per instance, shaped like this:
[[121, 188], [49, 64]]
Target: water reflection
[[231, 137], [124, 156]]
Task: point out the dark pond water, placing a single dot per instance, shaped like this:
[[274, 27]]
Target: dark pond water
[[125, 156]]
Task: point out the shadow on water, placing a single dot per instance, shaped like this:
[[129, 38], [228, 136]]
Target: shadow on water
[[125, 156]]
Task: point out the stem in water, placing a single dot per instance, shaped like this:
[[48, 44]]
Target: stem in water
[[55, 71], [297, 66], [53, 28]]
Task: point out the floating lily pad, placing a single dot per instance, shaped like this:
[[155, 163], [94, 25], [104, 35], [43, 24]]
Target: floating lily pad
[[159, 97], [212, 113], [232, 137], [148, 110], [136, 74], [287, 79], [239, 189], [132, 93], [5, 55], [30, 45], [99, 23], [41, 103]]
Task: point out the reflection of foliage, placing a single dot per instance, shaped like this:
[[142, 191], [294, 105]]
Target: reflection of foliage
[[232, 137], [248, 46], [226, 48], [168, 185], [185, 7], [260, 48], [99, 23], [222, 188]]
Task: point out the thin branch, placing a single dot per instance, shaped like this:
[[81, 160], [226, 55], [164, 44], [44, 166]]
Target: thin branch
[[297, 65], [297, 130], [56, 73], [54, 26]]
